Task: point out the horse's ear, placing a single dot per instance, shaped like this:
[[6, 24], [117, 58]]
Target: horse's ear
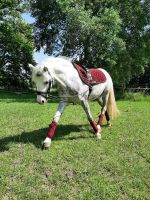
[[45, 69], [31, 67]]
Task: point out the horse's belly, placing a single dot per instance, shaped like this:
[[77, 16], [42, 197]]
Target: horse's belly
[[74, 100], [97, 91]]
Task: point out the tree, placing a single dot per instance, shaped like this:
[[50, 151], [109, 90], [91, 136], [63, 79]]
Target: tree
[[78, 28], [135, 32], [16, 45], [143, 80], [108, 33]]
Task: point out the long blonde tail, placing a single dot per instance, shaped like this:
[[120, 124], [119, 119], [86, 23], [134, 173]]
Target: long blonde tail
[[112, 106]]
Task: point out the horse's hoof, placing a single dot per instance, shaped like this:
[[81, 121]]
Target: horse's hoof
[[98, 135], [108, 124], [99, 128], [47, 143], [43, 147]]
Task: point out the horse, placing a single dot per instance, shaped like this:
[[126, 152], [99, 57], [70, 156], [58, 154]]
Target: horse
[[71, 89]]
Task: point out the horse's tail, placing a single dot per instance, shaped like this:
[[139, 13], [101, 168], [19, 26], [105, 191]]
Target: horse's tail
[[111, 105]]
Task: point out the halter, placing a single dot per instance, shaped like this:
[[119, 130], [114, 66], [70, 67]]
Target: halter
[[45, 94]]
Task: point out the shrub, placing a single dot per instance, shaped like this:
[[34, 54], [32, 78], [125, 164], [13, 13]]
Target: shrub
[[134, 96]]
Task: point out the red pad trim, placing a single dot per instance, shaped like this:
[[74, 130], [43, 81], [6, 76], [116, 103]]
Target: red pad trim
[[100, 121], [97, 75], [94, 126], [51, 130]]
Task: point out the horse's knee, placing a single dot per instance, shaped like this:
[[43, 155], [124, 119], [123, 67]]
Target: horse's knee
[[57, 116]]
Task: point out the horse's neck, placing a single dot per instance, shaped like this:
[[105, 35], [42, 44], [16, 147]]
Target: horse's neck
[[58, 72], [65, 75]]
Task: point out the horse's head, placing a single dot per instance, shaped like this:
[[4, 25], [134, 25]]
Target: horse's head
[[42, 80]]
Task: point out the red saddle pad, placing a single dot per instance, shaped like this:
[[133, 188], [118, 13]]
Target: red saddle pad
[[92, 77]]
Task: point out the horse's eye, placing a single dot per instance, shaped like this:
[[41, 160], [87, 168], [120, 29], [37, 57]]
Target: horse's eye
[[46, 82]]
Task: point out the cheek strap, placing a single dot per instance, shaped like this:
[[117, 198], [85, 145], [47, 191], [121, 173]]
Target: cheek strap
[[45, 94]]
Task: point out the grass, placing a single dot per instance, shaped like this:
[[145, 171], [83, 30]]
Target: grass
[[77, 166]]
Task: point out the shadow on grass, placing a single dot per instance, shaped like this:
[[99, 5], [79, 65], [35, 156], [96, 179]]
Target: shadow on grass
[[36, 137]]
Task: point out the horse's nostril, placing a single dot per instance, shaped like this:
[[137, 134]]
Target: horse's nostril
[[42, 101]]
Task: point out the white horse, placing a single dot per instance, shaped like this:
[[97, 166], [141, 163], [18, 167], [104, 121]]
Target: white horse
[[72, 89]]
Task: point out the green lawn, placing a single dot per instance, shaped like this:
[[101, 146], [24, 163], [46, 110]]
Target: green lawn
[[77, 166]]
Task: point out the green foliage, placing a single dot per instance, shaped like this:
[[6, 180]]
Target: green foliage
[[135, 33], [77, 166], [78, 28], [134, 96], [16, 45], [109, 33], [141, 79]]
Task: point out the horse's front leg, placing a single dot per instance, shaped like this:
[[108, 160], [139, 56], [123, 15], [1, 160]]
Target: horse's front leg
[[53, 125], [95, 127]]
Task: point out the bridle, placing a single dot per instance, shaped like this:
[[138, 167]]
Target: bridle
[[45, 94]]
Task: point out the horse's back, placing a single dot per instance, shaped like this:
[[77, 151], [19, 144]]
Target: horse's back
[[108, 77], [99, 89]]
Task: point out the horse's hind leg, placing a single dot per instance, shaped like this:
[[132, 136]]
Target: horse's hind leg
[[103, 102], [87, 110], [107, 118]]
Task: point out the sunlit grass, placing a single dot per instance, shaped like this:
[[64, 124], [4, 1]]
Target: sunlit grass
[[77, 166]]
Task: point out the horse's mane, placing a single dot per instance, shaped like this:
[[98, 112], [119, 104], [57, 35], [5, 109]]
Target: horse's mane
[[51, 58], [65, 58]]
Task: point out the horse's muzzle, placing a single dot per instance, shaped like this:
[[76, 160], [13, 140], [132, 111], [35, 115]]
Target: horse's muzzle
[[41, 100]]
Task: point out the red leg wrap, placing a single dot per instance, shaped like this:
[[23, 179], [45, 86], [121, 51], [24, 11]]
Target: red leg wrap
[[100, 121], [107, 116], [51, 130], [94, 126]]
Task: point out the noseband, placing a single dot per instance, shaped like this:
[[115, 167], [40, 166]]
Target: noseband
[[45, 94]]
